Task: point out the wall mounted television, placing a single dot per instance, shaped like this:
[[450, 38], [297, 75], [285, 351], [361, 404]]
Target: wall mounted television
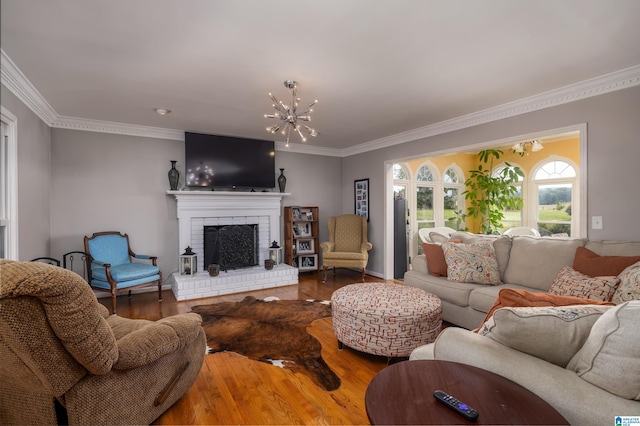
[[213, 161]]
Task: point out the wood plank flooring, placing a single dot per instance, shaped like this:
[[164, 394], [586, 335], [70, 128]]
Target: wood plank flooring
[[232, 389]]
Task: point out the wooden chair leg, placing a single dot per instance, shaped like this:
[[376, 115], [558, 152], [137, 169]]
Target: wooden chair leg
[[362, 274], [324, 274], [113, 303]]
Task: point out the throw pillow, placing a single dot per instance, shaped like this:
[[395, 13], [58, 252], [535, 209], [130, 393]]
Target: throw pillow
[[501, 244], [629, 287], [552, 333], [472, 263], [437, 237], [610, 358], [569, 282], [513, 298], [594, 265], [435, 258]]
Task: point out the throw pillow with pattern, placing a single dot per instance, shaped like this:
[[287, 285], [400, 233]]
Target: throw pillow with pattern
[[629, 288], [570, 282], [472, 263]]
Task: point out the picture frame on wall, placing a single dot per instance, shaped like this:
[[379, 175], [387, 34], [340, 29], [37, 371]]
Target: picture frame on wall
[[361, 194]]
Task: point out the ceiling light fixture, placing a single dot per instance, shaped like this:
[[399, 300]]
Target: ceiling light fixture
[[290, 118], [162, 111], [521, 147]]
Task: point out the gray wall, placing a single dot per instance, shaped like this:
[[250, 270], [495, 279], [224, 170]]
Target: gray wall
[[613, 159], [106, 182], [102, 181], [34, 174]]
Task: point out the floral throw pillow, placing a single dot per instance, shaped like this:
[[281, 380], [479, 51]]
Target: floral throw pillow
[[570, 282], [472, 263], [629, 288]]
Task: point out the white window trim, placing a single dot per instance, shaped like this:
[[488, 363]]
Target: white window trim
[[11, 122], [576, 183]]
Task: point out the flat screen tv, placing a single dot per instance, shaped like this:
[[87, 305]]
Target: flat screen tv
[[214, 161]]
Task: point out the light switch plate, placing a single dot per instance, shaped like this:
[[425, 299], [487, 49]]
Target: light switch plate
[[596, 222]]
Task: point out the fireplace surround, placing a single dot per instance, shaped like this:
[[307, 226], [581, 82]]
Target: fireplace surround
[[199, 209]]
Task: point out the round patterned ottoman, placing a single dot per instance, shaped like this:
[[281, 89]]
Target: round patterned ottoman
[[385, 319]]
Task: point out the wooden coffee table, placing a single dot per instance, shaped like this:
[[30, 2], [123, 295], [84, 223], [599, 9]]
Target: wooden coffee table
[[403, 394]]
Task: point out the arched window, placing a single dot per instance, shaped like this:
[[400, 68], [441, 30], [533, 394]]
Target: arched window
[[453, 181], [556, 199], [425, 190], [512, 217]]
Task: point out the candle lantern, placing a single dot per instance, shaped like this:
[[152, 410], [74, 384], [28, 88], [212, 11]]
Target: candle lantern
[[274, 253], [188, 262]]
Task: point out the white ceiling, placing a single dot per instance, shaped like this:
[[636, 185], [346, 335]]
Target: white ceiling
[[378, 68]]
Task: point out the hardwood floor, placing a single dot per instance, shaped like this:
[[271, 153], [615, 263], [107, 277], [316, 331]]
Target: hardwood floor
[[232, 389]]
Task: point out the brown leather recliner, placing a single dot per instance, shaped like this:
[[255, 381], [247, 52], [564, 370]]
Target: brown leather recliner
[[65, 359]]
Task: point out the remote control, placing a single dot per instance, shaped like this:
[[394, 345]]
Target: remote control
[[457, 406]]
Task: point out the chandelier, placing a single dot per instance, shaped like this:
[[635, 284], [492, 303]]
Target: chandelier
[[290, 118], [521, 147]]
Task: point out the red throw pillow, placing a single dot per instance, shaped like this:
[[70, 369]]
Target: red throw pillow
[[513, 298], [435, 258], [594, 265]]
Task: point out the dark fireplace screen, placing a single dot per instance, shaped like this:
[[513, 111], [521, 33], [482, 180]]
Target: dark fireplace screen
[[231, 246]]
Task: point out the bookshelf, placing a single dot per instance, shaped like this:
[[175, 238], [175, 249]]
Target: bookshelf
[[301, 238]]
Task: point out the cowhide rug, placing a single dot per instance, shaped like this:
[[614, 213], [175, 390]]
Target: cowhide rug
[[270, 331]]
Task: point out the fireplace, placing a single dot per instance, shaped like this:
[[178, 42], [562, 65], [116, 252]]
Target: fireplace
[[231, 246], [257, 214]]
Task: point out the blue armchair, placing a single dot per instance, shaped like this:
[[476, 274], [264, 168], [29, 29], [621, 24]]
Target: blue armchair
[[110, 266]]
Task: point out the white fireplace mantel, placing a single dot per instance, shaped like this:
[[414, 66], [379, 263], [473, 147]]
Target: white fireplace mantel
[[206, 204]]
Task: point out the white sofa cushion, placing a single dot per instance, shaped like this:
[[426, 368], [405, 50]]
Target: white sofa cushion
[[614, 248], [610, 358], [552, 333], [535, 262]]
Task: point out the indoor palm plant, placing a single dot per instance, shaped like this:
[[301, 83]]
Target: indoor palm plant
[[488, 194]]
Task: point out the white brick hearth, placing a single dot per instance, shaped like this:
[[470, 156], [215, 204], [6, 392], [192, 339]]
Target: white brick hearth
[[197, 209], [201, 285]]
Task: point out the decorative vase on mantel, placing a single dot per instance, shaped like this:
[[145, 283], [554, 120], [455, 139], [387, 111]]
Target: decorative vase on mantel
[[282, 181], [174, 175]]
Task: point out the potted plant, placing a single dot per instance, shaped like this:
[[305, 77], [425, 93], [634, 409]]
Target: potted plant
[[488, 195]]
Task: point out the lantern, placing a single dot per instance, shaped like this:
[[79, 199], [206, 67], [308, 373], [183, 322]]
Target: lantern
[[274, 253], [188, 262]]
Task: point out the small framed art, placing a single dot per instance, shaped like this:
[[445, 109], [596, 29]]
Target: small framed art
[[361, 193], [308, 262], [301, 229], [305, 246]]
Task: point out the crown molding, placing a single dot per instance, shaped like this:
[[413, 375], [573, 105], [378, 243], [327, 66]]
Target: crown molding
[[99, 126], [618, 80], [308, 149], [20, 86], [14, 80]]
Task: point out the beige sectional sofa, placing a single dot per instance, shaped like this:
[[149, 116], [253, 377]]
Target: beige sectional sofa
[[584, 360], [600, 382], [529, 263]]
